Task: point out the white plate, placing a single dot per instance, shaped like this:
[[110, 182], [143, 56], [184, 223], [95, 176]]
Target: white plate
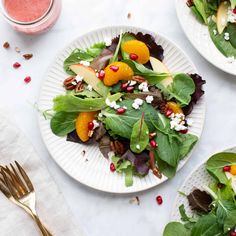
[[196, 179], [95, 172], [199, 36]]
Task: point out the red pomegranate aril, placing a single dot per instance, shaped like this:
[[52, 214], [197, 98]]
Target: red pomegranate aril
[[153, 143], [114, 68], [130, 89], [133, 56], [159, 200], [124, 86], [168, 112], [27, 79], [232, 233], [226, 168], [101, 74], [185, 131], [120, 110], [234, 10], [16, 65], [90, 125], [112, 167]]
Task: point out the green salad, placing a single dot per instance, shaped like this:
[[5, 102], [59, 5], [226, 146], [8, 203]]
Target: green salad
[[220, 17], [120, 96], [214, 207]]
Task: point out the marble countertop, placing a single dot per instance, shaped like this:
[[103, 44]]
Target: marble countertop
[[96, 212]]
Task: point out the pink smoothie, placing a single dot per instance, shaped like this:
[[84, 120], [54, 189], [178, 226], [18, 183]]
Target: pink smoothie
[[26, 10]]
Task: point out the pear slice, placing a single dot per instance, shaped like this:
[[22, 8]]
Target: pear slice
[[89, 77], [160, 67], [222, 16]]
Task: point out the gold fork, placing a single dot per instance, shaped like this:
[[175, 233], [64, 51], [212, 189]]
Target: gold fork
[[17, 187]]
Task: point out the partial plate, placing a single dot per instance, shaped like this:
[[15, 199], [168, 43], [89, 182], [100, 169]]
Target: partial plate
[[199, 36], [91, 168], [198, 178]]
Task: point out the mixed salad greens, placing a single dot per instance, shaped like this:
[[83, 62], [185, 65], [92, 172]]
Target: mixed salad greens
[[220, 17], [122, 96], [215, 207]]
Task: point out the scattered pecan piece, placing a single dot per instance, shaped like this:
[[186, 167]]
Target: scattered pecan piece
[[129, 15], [17, 49], [70, 83], [134, 200], [79, 87], [117, 147], [189, 3], [154, 168], [28, 56], [138, 78], [6, 45], [163, 107]]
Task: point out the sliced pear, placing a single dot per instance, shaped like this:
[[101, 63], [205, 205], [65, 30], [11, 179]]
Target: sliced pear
[[160, 67], [221, 16], [89, 77]]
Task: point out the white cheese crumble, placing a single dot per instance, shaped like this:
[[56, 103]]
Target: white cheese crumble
[[85, 63], [100, 114], [135, 106], [189, 122], [138, 146], [74, 83], [138, 101], [143, 87], [78, 78], [116, 106], [90, 88], [149, 99], [107, 41], [132, 82], [214, 31], [178, 122], [95, 124], [120, 99], [125, 107], [231, 16], [226, 36], [112, 104]]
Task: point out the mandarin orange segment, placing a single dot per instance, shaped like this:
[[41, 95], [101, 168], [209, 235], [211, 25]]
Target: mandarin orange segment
[[117, 71], [139, 48], [174, 107], [233, 170], [82, 124]]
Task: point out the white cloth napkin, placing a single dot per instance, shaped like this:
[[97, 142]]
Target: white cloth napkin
[[51, 206]]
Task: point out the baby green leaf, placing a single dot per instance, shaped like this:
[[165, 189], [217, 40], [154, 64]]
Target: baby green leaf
[[175, 229]]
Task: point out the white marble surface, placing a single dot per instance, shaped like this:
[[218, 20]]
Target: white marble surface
[[100, 213]]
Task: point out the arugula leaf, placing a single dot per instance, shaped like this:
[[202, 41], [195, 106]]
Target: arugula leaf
[[115, 57], [231, 29], [139, 136], [63, 123], [79, 55], [216, 163], [176, 229], [152, 76]]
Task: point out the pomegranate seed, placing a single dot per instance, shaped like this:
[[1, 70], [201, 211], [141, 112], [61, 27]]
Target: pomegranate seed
[[234, 10], [153, 144], [159, 200], [133, 56], [185, 131], [232, 233], [16, 65], [226, 168], [101, 74], [114, 68], [168, 112], [112, 167], [90, 125], [130, 89], [121, 110], [27, 79], [124, 86]]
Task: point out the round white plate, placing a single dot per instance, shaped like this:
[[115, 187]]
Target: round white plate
[[92, 169], [197, 178], [199, 36]]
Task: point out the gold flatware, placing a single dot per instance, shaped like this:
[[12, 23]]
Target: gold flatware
[[17, 187]]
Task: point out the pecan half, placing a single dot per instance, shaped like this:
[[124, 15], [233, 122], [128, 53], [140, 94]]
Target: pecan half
[[70, 83], [6, 45], [79, 87], [28, 56], [163, 107], [117, 147], [189, 3], [138, 78], [154, 168]]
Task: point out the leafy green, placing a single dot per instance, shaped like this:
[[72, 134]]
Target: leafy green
[[79, 55], [176, 229], [139, 136], [126, 37], [231, 29], [233, 3], [71, 103], [84, 93], [63, 123], [115, 57], [184, 216], [187, 144], [216, 163], [199, 4], [152, 76], [197, 14], [128, 176]]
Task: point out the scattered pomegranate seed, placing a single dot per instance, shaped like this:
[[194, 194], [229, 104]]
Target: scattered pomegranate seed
[[168, 112], [226, 168], [114, 68], [16, 65], [101, 74], [130, 89], [185, 131], [90, 125], [124, 86], [159, 200], [112, 167], [121, 110], [234, 10], [232, 233], [6, 45], [153, 144], [27, 79], [133, 56]]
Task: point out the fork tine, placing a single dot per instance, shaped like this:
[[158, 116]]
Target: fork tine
[[4, 189], [25, 177]]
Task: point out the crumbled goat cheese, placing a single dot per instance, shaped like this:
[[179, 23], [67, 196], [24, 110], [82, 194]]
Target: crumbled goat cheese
[[138, 101], [90, 88], [100, 114], [143, 87], [178, 122], [107, 41], [95, 124], [132, 82], [138, 146], [135, 106], [214, 31], [231, 16], [189, 122], [78, 78], [120, 99], [112, 104], [226, 36], [149, 99], [116, 106], [125, 107], [85, 63], [74, 83]]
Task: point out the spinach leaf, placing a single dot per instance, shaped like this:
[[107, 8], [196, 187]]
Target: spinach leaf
[[78, 55], [200, 8], [139, 136], [84, 93], [63, 123], [115, 57], [165, 169], [225, 47], [181, 89], [230, 221], [176, 229], [233, 3], [152, 76], [184, 216], [216, 163], [71, 103], [210, 7], [231, 29], [187, 144], [197, 14]]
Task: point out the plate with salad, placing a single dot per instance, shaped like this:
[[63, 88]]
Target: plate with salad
[[210, 25], [206, 203], [121, 109]]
